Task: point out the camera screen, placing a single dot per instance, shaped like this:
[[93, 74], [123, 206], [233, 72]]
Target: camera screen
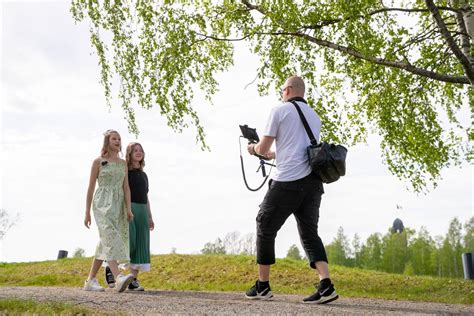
[[249, 133]]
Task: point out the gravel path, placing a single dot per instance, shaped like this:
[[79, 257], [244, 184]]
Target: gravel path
[[192, 303]]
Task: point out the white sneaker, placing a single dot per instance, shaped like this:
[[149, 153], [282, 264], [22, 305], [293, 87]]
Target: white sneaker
[[93, 285], [123, 281]]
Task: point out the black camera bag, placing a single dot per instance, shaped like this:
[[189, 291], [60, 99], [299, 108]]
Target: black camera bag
[[328, 161]]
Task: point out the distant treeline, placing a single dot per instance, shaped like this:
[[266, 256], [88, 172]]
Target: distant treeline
[[407, 252]]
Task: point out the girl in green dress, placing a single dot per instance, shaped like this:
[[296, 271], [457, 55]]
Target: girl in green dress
[[142, 221], [112, 212]]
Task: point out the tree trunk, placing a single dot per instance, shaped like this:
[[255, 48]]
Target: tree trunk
[[463, 59], [466, 19], [468, 16]]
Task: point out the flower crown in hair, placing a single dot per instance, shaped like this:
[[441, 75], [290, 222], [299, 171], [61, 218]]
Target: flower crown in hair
[[109, 131]]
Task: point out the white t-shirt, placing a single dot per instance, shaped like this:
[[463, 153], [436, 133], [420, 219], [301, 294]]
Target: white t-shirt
[[291, 139]]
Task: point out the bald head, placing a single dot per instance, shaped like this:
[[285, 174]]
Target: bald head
[[294, 87]]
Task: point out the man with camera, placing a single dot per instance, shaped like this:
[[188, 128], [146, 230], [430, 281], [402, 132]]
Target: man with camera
[[294, 189]]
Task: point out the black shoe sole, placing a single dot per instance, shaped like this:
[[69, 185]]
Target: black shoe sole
[[322, 302], [109, 278]]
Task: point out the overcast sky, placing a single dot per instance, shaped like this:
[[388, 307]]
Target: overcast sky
[[53, 114]]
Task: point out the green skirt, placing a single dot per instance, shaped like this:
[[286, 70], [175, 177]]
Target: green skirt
[[139, 229]]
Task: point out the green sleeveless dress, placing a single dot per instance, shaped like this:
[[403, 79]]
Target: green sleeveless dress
[[110, 214]]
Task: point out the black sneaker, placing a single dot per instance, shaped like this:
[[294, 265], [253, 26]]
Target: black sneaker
[[109, 277], [322, 296], [135, 286], [258, 293]]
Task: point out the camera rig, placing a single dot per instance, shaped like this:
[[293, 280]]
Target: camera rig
[[252, 137], [249, 133]]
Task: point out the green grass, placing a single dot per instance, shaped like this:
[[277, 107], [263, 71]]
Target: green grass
[[237, 273], [20, 307]]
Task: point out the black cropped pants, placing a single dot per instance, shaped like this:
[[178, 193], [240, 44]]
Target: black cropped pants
[[301, 198]]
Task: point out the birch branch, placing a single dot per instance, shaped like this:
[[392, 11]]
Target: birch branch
[[381, 61]]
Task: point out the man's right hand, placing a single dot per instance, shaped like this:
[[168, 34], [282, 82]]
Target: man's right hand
[[270, 155]]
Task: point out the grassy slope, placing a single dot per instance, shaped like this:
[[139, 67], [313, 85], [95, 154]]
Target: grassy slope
[[237, 273], [21, 307]]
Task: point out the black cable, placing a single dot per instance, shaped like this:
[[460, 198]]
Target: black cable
[[243, 170]]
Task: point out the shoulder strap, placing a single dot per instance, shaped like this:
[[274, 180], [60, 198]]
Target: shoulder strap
[[305, 124]]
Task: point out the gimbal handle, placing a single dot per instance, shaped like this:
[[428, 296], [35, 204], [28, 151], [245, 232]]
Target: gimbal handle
[[262, 166]]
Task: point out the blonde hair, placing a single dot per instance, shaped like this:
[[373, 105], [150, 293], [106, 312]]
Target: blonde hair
[[104, 151], [128, 155]]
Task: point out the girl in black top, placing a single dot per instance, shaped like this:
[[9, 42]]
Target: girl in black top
[[142, 221]]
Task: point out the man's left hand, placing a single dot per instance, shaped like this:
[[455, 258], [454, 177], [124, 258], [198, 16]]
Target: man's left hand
[[251, 149]]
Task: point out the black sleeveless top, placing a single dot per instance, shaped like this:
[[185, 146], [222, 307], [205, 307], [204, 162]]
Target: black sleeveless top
[[138, 182]]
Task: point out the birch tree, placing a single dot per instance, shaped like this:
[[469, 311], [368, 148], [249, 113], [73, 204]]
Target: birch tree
[[7, 221], [401, 69]]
